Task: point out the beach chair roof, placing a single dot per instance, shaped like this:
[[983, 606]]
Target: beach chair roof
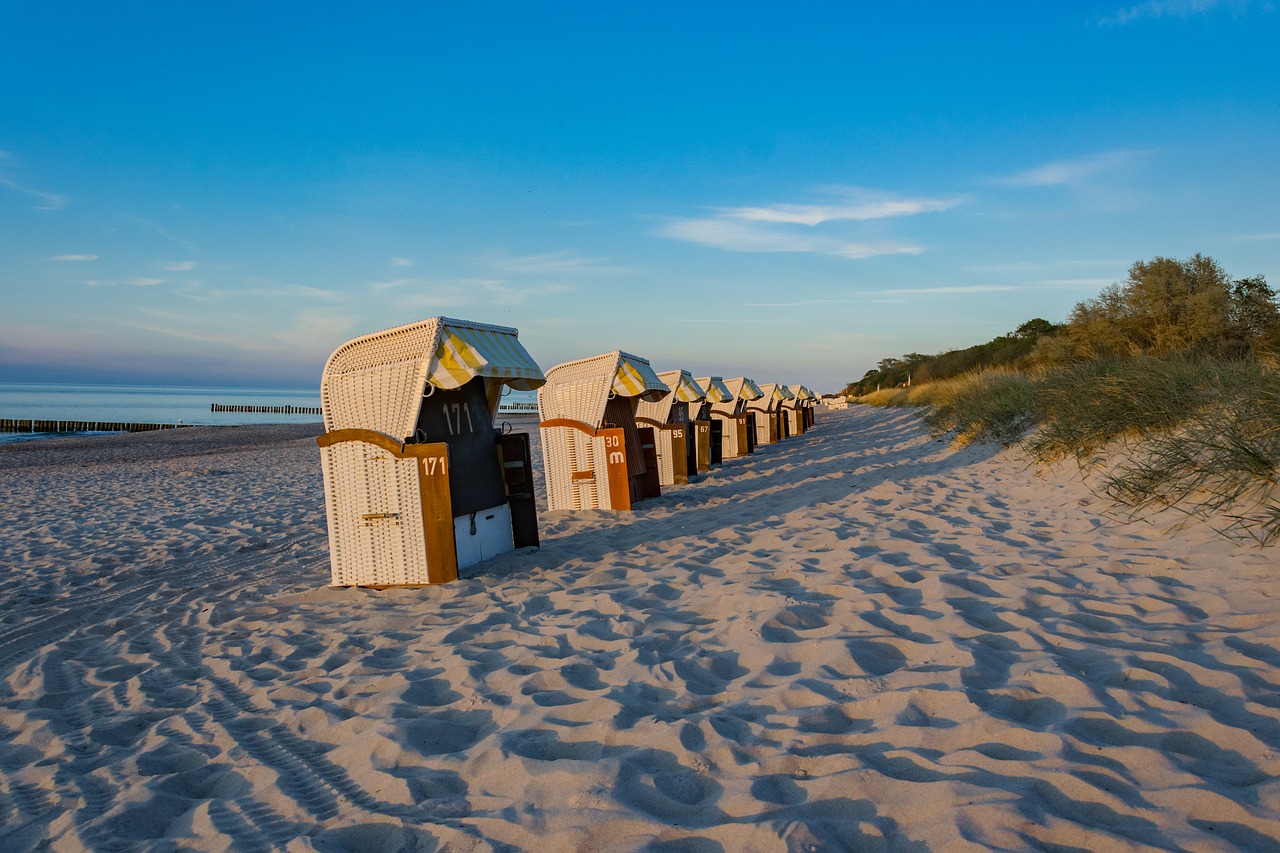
[[579, 390], [744, 388], [773, 395], [684, 389], [378, 381], [717, 391]]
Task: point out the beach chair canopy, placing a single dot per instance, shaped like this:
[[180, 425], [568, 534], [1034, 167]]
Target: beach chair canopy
[[683, 390], [771, 396], [580, 390], [743, 388], [378, 381], [717, 391]]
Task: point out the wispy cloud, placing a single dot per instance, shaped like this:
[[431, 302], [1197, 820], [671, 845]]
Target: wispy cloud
[[562, 262], [739, 236], [790, 227], [47, 201], [802, 302], [400, 262], [966, 288], [864, 207], [1074, 170], [465, 291], [1076, 282], [1257, 238], [75, 258], [129, 282], [177, 266], [1182, 9]]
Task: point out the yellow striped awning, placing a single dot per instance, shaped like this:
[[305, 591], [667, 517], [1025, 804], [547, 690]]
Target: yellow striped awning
[[634, 377], [685, 389], [787, 393], [717, 391], [466, 350], [749, 390]]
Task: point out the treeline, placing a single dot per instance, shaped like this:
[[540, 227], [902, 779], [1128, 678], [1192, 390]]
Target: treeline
[[1011, 350], [1165, 307], [1166, 385]]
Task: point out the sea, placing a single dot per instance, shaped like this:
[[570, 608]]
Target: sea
[[158, 404]]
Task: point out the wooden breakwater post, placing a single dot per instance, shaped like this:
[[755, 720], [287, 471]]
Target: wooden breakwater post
[[40, 425], [266, 410]]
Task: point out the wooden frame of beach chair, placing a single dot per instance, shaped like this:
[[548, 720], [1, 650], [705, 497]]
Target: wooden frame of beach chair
[[676, 434], [594, 455], [418, 483]]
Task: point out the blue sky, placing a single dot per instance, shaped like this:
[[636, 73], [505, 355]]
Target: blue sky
[[225, 192]]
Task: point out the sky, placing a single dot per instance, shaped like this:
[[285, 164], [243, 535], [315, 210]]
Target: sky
[[224, 193]]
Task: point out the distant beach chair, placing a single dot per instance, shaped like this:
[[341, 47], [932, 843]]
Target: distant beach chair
[[796, 409], [767, 409], [594, 455], [809, 403], [708, 426], [739, 423], [417, 481], [675, 431]]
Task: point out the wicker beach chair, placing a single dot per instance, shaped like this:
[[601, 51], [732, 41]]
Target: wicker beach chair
[[766, 410], [739, 435], [710, 425], [594, 454], [417, 482], [799, 409], [676, 433], [808, 404]]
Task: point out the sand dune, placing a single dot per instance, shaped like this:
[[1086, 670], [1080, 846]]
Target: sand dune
[[859, 639]]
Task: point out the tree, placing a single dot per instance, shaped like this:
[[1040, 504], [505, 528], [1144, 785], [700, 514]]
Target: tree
[[1169, 306]]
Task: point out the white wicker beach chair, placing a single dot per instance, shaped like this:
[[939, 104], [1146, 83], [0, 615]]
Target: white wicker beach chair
[[767, 409], [797, 409], [715, 419], [739, 427], [593, 453], [417, 483], [673, 427]]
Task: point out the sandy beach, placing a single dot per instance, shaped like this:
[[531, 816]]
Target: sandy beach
[[859, 639]]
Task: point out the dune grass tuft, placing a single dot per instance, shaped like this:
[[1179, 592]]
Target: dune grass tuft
[[1201, 436]]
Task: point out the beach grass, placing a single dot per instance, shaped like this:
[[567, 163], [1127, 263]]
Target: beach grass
[[1199, 436]]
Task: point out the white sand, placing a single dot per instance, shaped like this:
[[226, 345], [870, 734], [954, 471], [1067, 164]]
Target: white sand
[[859, 639]]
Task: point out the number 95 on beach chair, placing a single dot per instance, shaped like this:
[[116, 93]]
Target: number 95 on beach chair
[[417, 481], [594, 455], [677, 436]]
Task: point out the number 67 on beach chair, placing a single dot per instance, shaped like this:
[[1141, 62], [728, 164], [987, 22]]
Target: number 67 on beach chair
[[677, 436], [417, 481], [594, 455]]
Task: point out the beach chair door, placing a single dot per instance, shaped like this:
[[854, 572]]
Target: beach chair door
[[459, 418], [647, 484], [690, 451], [750, 430], [715, 450], [517, 471], [680, 444]]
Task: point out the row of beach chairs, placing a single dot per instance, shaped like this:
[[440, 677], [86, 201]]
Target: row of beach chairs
[[419, 484]]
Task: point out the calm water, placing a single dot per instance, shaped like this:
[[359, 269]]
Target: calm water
[[148, 404], [159, 404]]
